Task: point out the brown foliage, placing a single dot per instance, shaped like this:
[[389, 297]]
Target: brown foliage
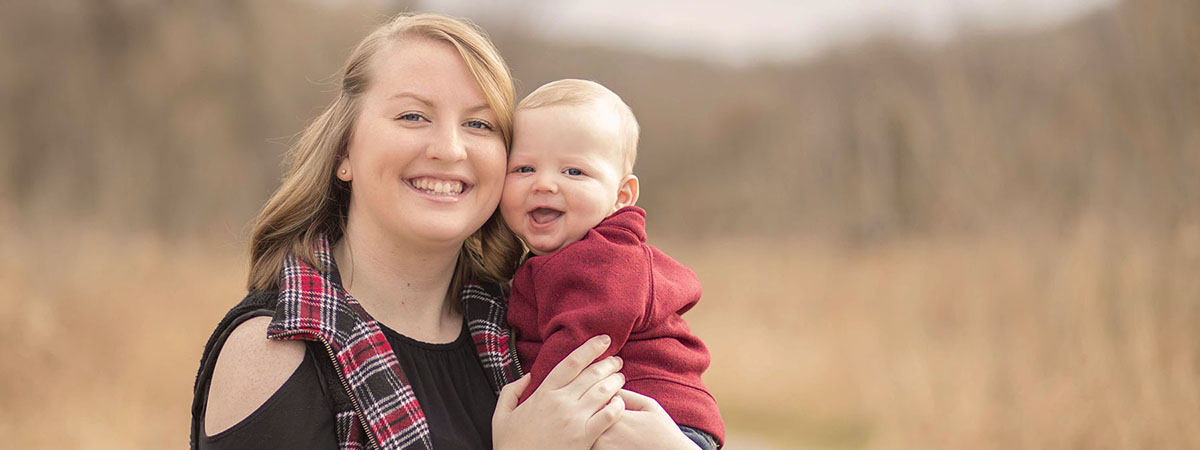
[[172, 116]]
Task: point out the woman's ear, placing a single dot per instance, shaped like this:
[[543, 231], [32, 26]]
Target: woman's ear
[[627, 195], [343, 171]]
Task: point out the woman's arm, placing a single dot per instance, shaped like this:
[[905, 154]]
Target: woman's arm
[[573, 406], [249, 369]]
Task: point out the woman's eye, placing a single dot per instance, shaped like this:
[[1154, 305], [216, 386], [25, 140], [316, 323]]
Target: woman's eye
[[573, 172], [480, 125], [410, 117]]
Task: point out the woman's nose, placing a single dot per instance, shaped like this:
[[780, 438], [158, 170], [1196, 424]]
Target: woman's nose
[[447, 146]]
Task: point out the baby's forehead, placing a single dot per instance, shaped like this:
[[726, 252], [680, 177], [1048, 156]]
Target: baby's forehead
[[594, 119], [597, 122], [598, 111]]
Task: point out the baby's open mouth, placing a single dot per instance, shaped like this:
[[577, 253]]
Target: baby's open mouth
[[542, 216]]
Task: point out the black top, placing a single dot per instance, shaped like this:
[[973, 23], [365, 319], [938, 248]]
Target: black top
[[448, 380], [452, 389]]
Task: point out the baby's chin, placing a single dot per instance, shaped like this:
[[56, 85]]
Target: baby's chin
[[541, 249]]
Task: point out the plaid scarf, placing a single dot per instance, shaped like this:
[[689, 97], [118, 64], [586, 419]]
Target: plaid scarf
[[313, 306]]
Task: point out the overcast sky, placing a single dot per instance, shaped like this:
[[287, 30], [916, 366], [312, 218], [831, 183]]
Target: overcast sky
[[742, 31]]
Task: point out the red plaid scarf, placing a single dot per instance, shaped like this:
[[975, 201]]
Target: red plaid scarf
[[312, 306]]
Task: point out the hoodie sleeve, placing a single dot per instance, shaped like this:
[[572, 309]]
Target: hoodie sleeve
[[599, 287]]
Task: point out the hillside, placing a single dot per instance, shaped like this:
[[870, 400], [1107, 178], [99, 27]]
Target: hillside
[[172, 118]]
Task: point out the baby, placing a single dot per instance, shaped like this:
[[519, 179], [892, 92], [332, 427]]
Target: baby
[[569, 194]]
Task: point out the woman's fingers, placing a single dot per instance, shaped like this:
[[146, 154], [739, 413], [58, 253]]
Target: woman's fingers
[[594, 374], [603, 391], [579, 359], [511, 393], [574, 405], [643, 425], [604, 418], [638, 402]]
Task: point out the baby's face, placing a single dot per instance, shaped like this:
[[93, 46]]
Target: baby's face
[[564, 172]]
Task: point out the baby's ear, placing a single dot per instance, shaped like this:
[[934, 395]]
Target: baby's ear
[[627, 195]]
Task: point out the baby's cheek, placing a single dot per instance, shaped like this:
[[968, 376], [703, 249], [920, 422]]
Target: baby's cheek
[[509, 212], [576, 235], [508, 194]]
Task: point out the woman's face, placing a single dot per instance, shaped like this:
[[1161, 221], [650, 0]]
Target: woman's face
[[425, 161]]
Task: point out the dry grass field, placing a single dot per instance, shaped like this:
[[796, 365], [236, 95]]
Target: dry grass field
[[1085, 340], [102, 351]]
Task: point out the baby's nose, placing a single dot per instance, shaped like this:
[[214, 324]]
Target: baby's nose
[[545, 184]]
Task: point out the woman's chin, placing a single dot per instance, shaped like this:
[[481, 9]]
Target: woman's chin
[[451, 231]]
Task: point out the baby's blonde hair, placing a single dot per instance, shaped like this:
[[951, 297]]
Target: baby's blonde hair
[[572, 92]]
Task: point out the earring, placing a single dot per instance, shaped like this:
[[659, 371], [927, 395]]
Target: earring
[[343, 171]]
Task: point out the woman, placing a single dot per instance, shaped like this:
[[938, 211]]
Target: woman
[[375, 318]]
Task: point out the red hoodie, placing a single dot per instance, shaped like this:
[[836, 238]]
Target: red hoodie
[[611, 282]]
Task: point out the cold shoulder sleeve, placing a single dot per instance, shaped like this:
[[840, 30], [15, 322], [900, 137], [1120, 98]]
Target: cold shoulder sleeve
[[297, 416]]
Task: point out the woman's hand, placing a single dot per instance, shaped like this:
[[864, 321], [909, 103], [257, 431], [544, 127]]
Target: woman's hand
[[644, 425], [573, 406]]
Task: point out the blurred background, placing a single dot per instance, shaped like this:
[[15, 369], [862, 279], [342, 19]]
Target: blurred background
[[919, 224]]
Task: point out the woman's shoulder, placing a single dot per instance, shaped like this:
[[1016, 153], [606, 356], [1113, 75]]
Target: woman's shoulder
[[248, 370]]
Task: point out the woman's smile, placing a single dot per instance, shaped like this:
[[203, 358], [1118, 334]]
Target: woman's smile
[[440, 187]]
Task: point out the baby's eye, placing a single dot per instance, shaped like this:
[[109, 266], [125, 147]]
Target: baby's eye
[[523, 169], [573, 172], [480, 125]]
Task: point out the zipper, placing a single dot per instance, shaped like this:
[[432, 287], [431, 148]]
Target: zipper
[[512, 353], [374, 441]]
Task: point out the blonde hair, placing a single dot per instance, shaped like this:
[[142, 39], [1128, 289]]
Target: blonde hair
[[312, 203], [572, 92]]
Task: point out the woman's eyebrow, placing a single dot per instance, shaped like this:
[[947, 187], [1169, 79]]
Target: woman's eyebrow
[[479, 107], [429, 103], [413, 96]]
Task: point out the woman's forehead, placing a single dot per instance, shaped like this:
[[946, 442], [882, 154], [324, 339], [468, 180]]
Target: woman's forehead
[[424, 70]]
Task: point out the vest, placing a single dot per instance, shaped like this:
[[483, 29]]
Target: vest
[[359, 371]]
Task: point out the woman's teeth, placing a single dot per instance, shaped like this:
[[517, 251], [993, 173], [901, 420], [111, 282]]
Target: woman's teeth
[[438, 187]]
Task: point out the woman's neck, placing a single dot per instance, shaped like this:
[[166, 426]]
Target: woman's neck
[[402, 287]]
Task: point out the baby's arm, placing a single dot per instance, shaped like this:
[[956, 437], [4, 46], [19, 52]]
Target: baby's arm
[[578, 301]]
